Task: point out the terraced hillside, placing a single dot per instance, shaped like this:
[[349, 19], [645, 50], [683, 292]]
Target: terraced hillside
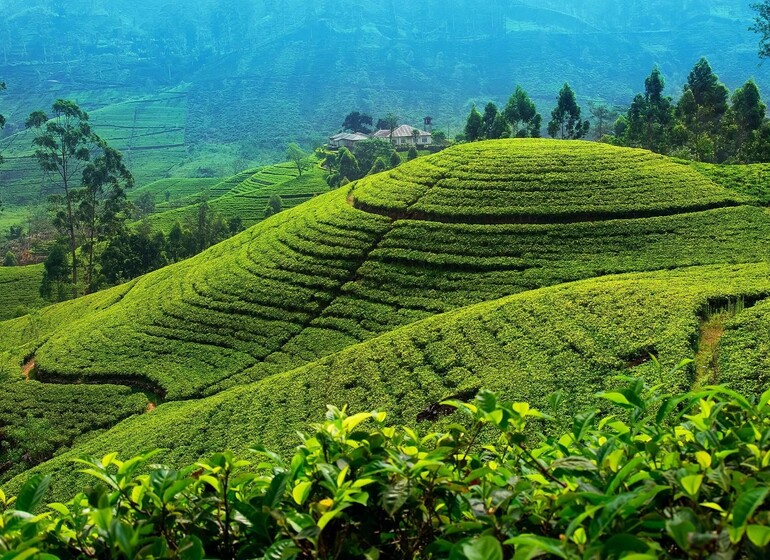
[[243, 196], [19, 290], [576, 338], [469, 225]]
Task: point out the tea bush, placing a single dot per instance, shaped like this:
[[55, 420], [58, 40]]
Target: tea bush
[[660, 476]]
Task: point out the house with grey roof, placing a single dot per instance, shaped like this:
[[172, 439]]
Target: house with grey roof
[[405, 136]]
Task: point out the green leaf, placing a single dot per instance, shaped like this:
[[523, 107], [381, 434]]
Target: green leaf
[[746, 504], [276, 490], [532, 546], [31, 494], [395, 496], [759, 535], [302, 491], [191, 548], [617, 398], [763, 400], [483, 548], [691, 484]]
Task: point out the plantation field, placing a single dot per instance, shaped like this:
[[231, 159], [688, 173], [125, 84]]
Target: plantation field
[[19, 290], [752, 180], [175, 189], [538, 181], [358, 263], [575, 337], [245, 195]]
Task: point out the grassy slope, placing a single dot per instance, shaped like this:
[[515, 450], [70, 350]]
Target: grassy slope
[[574, 337], [19, 288], [751, 180], [244, 196], [324, 276]]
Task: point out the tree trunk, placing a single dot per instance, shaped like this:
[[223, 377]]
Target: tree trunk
[[73, 241]]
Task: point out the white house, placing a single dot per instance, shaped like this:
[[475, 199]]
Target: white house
[[406, 135], [346, 139]]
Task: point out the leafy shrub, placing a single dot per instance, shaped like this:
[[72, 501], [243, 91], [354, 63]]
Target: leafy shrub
[[663, 477]]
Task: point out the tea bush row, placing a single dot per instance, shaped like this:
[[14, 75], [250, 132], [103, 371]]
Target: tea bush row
[[659, 476]]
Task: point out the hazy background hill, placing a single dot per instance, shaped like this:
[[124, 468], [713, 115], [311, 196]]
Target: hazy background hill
[[208, 87]]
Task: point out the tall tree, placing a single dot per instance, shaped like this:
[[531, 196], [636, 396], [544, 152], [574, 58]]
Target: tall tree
[[348, 166], [565, 118], [299, 157], [474, 126], [102, 206], [522, 115], [762, 26], [358, 122], [488, 120], [650, 116], [63, 143], [701, 109], [604, 117], [2, 120], [749, 113]]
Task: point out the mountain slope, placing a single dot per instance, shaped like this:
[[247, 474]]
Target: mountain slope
[[574, 337]]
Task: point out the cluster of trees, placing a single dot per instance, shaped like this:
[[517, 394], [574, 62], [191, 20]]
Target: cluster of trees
[[132, 252], [362, 123], [91, 211], [707, 123], [519, 119], [368, 157]]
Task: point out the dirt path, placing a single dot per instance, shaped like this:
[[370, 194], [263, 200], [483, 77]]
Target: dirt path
[[707, 357], [27, 369]]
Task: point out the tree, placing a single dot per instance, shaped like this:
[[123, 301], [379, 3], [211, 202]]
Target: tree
[[55, 274], [366, 153], [395, 159], [500, 128], [412, 154], [762, 26], [565, 118], [76, 158], [145, 204], [748, 112], [390, 122], [10, 259], [102, 206], [378, 167], [604, 117], [522, 115], [474, 126], [299, 157], [274, 205], [488, 120], [358, 122], [348, 166], [701, 109], [2, 125], [650, 116]]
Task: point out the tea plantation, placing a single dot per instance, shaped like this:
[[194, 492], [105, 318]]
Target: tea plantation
[[19, 290], [576, 337], [358, 278]]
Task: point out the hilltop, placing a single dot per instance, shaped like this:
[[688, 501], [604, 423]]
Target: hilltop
[[470, 225]]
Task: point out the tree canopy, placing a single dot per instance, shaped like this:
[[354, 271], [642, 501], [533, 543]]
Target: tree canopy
[[565, 118]]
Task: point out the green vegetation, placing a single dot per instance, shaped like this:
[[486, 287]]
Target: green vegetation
[[663, 476], [576, 336], [19, 290], [234, 323], [750, 180]]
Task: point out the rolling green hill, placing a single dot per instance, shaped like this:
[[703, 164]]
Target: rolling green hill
[[574, 337], [473, 224], [19, 290]]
